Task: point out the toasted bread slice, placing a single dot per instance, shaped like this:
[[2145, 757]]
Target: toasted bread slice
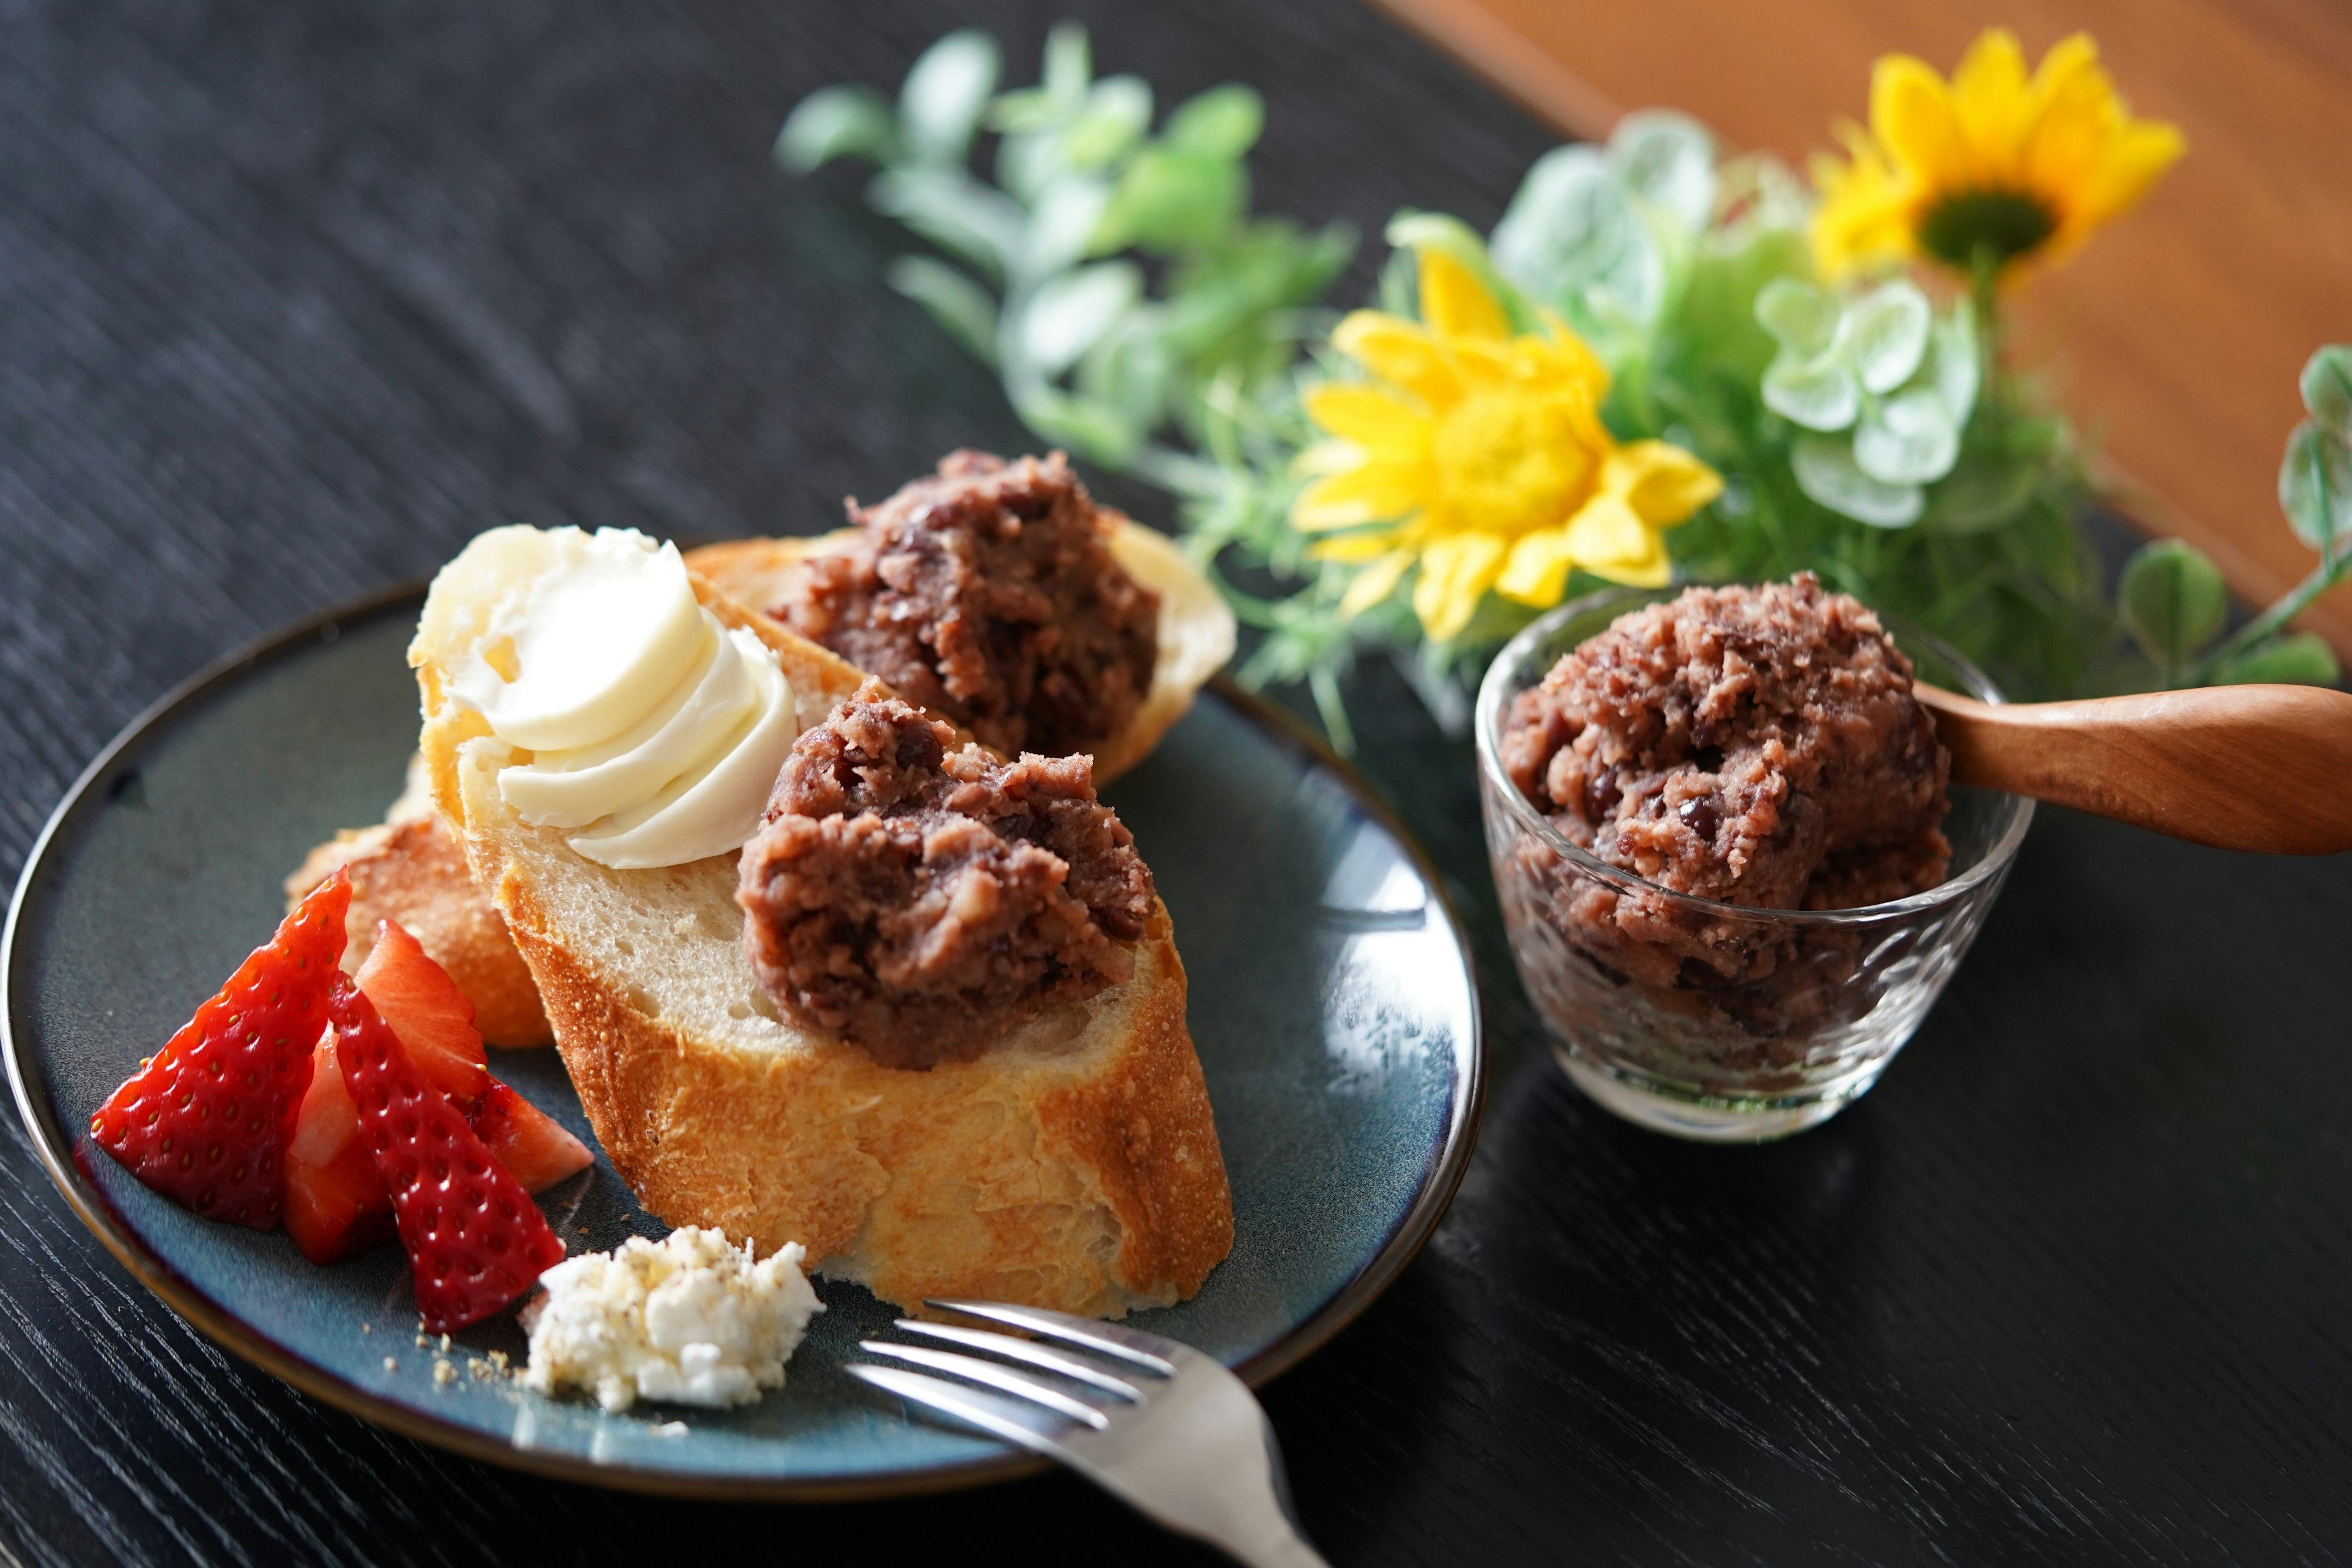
[[411, 868], [1074, 1165], [1196, 630]]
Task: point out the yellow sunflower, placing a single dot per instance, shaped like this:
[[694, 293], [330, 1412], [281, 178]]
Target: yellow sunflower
[[1479, 456], [1990, 170]]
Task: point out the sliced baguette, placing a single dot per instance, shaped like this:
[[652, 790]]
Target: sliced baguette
[[412, 867], [1196, 629], [1074, 1165]]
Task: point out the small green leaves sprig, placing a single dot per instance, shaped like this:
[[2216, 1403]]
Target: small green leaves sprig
[[2171, 599], [1049, 271], [1881, 383]]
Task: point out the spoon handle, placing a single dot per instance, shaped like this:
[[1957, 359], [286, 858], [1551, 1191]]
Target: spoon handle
[[2264, 768]]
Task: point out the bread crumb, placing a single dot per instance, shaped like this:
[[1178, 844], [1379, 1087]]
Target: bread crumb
[[390, 1364], [444, 1373], [670, 1430], [445, 1344], [367, 1328]]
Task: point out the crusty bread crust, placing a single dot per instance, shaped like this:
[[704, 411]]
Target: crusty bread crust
[[1075, 1166], [413, 869], [1195, 628]]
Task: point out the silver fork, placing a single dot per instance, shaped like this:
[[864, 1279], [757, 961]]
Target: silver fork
[[1170, 1430]]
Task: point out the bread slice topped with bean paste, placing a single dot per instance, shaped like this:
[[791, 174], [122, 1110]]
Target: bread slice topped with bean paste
[[1059, 1150]]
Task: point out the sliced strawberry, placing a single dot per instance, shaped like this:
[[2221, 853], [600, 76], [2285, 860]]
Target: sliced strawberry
[[427, 1010], [475, 1239], [205, 1120], [337, 1205], [531, 1144]]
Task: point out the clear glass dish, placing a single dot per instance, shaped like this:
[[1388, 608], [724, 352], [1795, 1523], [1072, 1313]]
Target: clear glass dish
[[1794, 1013]]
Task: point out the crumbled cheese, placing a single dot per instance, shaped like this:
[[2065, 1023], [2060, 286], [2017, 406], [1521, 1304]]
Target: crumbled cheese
[[671, 1429], [689, 1319]]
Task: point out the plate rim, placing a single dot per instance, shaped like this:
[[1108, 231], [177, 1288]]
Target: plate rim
[[52, 1146]]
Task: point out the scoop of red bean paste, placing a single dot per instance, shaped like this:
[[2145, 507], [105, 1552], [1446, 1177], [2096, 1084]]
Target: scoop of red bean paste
[[1754, 745], [987, 592], [920, 901]]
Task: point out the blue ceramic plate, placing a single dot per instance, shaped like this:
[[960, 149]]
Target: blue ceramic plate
[[1333, 1001]]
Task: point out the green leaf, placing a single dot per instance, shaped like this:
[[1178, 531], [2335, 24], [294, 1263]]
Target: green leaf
[[1884, 335], [1168, 201], [1064, 223], [836, 123], [1818, 393], [1798, 315], [1129, 370], [1908, 440], [1956, 369], [941, 103], [2298, 659], [1069, 62], [1667, 160], [1826, 471], [1222, 123], [1118, 112], [965, 309], [2316, 489], [1070, 314], [1091, 429], [2172, 601], [2327, 389], [954, 212]]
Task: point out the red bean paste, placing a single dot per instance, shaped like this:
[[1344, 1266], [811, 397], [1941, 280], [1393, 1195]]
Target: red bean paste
[[920, 901], [1752, 746], [988, 593]]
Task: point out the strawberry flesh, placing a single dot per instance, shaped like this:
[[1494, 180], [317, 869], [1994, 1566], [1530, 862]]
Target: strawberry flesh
[[205, 1121], [475, 1240], [416, 996], [531, 1144], [337, 1205]]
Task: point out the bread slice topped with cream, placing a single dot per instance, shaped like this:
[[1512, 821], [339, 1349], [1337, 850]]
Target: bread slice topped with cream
[[997, 595], [1055, 1147]]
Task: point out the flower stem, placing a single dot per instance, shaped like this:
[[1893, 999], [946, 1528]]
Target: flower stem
[[2271, 622]]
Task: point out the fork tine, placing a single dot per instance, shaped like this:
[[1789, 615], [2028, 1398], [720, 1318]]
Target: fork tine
[[995, 1376], [992, 1413], [1029, 1350], [1146, 1351]]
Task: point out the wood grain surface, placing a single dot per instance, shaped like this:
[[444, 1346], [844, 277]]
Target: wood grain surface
[[2177, 337], [295, 297]]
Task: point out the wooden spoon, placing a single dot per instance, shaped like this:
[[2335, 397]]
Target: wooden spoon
[[2265, 768]]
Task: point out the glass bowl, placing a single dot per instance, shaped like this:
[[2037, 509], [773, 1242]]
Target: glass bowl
[[1792, 1014]]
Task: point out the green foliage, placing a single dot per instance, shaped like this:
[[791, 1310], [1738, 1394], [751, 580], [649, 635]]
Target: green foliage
[[2172, 601]]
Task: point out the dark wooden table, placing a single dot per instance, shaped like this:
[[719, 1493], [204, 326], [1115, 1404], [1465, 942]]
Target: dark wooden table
[[295, 297]]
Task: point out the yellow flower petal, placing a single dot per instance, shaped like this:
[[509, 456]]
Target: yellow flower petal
[[1608, 541], [1354, 549], [2138, 158], [1373, 493], [1399, 351], [1456, 573], [1371, 418], [1374, 583], [1911, 114], [1454, 303], [1662, 483], [1989, 95], [1536, 570], [1985, 154]]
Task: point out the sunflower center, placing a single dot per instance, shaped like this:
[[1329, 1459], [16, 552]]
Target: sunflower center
[[1508, 462], [1995, 226]]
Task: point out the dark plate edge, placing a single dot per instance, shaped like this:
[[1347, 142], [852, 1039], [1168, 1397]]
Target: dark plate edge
[[53, 1147]]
